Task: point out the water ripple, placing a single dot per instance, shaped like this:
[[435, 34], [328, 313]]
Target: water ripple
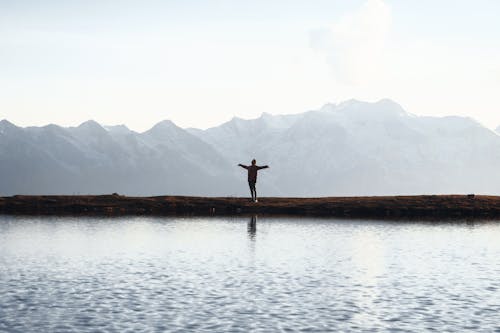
[[217, 275]]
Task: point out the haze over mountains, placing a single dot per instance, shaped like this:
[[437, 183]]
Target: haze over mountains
[[353, 148]]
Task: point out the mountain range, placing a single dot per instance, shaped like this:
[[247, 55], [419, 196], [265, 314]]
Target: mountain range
[[351, 148]]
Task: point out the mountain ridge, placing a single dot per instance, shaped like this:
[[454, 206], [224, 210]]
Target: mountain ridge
[[350, 148]]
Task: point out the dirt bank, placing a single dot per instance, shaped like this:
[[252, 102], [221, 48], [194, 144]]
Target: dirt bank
[[426, 206]]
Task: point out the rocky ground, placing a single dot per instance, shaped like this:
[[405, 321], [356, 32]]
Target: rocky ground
[[428, 206]]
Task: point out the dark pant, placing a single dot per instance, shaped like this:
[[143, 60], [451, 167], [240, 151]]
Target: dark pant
[[253, 191]]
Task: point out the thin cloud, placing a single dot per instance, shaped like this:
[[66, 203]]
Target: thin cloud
[[355, 45]]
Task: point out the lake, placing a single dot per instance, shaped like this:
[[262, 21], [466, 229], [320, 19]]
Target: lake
[[246, 274]]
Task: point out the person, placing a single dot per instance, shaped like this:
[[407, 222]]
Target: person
[[252, 177]]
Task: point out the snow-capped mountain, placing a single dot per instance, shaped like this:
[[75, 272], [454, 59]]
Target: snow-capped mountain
[[92, 159], [351, 148], [359, 148]]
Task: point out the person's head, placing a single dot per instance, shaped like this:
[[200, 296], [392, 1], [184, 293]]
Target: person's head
[[254, 161]]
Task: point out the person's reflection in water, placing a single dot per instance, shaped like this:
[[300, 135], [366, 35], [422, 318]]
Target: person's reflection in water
[[252, 227]]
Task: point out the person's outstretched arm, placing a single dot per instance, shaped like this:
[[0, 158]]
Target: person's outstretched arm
[[243, 166], [263, 167]]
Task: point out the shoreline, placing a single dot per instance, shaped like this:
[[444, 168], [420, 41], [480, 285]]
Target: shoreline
[[385, 207]]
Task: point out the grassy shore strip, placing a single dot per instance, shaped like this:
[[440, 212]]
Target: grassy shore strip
[[424, 206]]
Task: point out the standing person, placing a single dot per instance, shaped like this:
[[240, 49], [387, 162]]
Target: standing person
[[252, 177]]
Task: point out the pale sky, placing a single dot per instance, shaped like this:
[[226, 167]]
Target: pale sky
[[199, 63]]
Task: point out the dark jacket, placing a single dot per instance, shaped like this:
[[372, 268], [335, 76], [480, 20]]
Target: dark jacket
[[252, 171]]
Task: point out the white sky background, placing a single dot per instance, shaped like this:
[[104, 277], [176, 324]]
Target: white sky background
[[199, 63]]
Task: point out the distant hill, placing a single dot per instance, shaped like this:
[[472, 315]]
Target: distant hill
[[353, 148], [92, 159]]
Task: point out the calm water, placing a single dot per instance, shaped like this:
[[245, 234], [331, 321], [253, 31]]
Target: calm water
[[216, 275]]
